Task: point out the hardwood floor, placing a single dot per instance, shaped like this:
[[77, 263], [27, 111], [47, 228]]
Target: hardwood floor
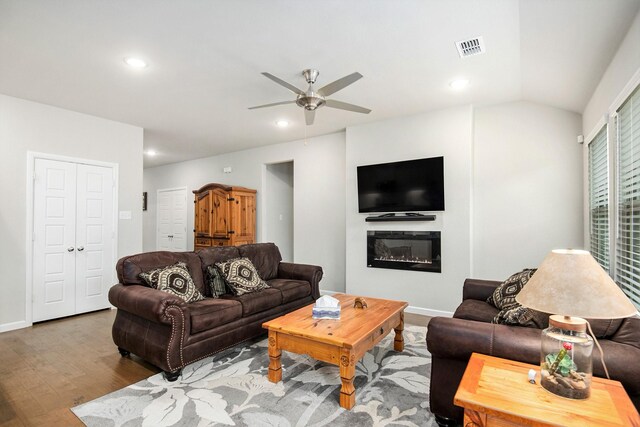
[[55, 365]]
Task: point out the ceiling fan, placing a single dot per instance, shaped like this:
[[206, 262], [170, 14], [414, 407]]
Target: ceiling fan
[[313, 99]]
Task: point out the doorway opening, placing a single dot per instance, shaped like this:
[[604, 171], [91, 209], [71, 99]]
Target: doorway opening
[[278, 212]]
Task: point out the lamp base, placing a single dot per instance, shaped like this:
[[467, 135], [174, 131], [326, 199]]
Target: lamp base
[[565, 357]]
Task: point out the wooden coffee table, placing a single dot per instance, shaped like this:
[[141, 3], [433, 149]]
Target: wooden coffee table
[[339, 342]]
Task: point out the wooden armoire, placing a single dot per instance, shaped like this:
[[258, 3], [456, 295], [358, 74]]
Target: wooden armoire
[[224, 216]]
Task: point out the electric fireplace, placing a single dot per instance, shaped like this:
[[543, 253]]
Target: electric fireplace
[[404, 250]]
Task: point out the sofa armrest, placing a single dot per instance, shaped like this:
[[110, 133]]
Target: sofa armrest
[[148, 303], [458, 338], [478, 289], [310, 273]]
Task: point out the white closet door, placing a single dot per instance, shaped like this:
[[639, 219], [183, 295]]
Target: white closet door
[[54, 255], [179, 220], [172, 220], [94, 237]]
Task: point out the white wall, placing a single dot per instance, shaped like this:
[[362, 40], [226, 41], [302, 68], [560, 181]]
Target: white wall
[[513, 192], [29, 126], [319, 195], [445, 133], [527, 188], [278, 212], [624, 66]]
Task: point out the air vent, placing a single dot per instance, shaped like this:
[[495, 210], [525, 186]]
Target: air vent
[[470, 47]]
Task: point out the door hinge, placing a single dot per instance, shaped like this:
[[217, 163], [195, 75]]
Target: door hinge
[[35, 177], [231, 199], [231, 232]]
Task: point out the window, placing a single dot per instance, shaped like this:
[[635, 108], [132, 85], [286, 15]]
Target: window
[[599, 198], [627, 264]]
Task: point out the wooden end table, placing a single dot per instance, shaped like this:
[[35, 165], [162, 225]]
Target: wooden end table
[[339, 342], [496, 392]]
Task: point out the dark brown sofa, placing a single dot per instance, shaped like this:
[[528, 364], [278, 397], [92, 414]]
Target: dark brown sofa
[[169, 333], [452, 340]]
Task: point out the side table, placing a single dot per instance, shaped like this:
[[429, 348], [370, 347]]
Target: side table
[[496, 392]]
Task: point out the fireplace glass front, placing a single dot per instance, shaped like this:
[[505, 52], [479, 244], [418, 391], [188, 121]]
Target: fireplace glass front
[[404, 250]]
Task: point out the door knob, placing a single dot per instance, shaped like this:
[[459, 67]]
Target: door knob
[[70, 249], [80, 248]]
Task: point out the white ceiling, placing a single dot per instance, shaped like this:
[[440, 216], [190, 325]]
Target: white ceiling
[[205, 60]]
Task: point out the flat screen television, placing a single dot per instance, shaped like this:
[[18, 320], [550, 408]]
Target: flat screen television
[[408, 186]]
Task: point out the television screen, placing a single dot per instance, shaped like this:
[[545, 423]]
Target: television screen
[[408, 186]]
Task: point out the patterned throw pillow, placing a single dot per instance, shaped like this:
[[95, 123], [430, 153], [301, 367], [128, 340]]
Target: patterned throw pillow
[[216, 280], [241, 276], [505, 295], [174, 279], [522, 316]]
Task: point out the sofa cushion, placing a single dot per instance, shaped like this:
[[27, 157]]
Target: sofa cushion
[[291, 289], [211, 313], [241, 276], [264, 256], [472, 309], [505, 295], [130, 267], [257, 301], [175, 280], [216, 281]]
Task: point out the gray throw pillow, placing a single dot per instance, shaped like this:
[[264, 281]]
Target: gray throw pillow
[[241, 276], [175, 280], [217, 283]]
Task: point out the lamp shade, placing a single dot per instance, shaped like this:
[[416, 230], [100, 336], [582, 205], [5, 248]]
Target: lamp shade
[[570, 282]]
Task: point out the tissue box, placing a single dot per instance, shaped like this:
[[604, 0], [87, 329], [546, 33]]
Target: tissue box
[[325, 312]]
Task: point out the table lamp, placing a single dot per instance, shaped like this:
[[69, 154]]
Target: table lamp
[[571, 285]]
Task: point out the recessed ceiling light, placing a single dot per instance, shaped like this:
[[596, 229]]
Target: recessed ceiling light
[[459, 84], [282, 123], [151, 153], [135, 62]]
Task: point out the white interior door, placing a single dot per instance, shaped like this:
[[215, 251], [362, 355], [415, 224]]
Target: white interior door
[[73, 238], [172, 220], [54, 254], [94, 237]]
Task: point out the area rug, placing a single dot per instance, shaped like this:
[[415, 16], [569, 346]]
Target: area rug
[[232, 389]]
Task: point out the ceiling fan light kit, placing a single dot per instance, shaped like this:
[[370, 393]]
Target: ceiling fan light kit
[[313, 99]]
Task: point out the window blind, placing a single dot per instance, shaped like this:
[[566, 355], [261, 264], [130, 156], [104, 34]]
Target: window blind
[[627, 273], [599, 198]]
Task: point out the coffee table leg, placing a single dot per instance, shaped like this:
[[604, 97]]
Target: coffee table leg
[[347, 373], [398, 341], [275, 368]]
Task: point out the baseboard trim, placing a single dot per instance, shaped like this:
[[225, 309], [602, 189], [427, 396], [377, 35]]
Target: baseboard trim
[[6, 327], [428, 312], [411, 309]]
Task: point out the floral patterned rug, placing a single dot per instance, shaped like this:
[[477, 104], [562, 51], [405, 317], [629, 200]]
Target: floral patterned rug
[[231, 388]]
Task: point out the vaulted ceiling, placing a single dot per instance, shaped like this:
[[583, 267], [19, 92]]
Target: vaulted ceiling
[[205, 59]]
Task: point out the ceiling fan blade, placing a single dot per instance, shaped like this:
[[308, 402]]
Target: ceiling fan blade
[[339, 84], [309, 115], [345, 106], [281, 82], [272, 105]]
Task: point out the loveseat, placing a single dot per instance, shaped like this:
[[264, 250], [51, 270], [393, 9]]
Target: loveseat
[[170, 333], [452, 340]]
